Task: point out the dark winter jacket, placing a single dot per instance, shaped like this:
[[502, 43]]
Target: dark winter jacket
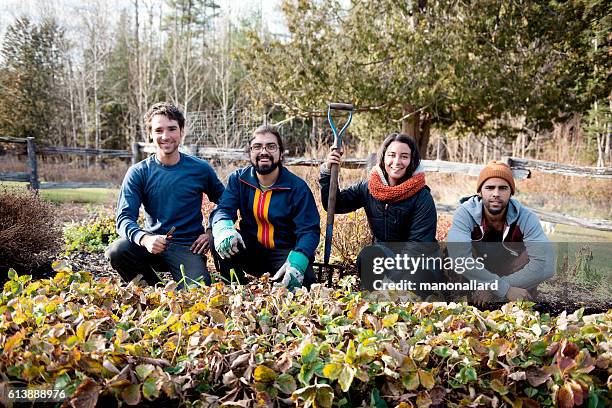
[[284, 216], [411, 220]]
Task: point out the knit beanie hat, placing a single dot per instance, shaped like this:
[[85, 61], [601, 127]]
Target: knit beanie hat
[[496, 169]]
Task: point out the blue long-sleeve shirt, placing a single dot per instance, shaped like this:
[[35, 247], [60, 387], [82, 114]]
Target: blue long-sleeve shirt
[[171, 196]]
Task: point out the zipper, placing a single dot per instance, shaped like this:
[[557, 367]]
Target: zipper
[[385, 220]]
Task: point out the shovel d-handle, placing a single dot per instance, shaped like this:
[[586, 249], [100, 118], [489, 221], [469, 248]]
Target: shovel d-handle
[[347, 107], [341, 106]]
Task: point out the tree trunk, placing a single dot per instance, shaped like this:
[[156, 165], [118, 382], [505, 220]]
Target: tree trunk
[[417, 125]]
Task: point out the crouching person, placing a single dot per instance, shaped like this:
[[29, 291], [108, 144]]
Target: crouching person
[[169, 184], [279, 222], [514, 254]]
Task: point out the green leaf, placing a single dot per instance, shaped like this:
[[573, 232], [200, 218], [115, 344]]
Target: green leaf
[[310, 354], [376, 401], [150, 389], [538, 348], [411, 381], [143, 371], [306, 373], [286, 384], [470, 374], [442, 351]]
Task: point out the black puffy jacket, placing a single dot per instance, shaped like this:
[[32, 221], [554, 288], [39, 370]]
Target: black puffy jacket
[[411, 220]]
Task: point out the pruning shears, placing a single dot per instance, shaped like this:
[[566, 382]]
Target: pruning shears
[[335, 170], [169, 233]]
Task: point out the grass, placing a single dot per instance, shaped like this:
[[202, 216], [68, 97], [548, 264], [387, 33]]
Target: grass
[[77, 195]]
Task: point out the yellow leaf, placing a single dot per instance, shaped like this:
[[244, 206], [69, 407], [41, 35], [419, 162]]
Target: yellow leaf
[[199, 307], [187, 317], [423, 400], [84, 329], [332, 370], [14, 341], [427, 380], [420, 352], [390, 320], [218, 301], [176, 327], [264, 374], [351, 353], [169, 346]]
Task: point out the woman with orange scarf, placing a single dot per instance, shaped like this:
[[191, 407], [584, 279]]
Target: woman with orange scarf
[[397, 202]]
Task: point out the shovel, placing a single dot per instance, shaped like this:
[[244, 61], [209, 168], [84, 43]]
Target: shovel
[[333, 184]]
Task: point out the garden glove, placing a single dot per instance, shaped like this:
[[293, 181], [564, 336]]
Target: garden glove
[[292, 271], [227, 239]]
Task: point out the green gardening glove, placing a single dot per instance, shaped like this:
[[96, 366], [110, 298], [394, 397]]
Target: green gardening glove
[[292, 271]]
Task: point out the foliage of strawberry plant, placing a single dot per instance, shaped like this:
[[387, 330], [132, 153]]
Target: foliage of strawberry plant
[[260, 345], [92, 235]]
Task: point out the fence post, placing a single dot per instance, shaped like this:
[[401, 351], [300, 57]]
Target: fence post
[[135, 153], [32, 163]]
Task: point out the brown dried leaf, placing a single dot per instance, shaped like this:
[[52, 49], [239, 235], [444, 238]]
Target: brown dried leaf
[[86, 395], [565, 396], [536, 376]]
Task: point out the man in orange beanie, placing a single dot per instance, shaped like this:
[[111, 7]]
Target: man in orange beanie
[[515, 252]]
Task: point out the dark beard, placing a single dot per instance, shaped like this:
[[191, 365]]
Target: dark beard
[[264, 170]]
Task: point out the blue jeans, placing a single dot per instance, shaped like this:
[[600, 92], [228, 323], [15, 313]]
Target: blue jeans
[[130, 260]]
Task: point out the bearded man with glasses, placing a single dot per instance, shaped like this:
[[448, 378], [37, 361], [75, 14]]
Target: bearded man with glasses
[[279, 225]]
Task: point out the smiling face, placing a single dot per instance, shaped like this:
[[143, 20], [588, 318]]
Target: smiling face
[[397, 160], [265, 154], [495, 193], [166, 135]]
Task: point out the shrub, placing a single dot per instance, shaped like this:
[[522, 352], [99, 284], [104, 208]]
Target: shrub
[[258, 345], [29, 231], [91, 236]]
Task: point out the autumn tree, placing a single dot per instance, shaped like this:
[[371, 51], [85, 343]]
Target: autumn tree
[[470, 66]]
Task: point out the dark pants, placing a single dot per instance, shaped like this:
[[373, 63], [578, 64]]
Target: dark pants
[[130, 260], [257, 260]]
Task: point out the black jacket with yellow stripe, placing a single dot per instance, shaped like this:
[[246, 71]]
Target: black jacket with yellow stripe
[[283, 216]]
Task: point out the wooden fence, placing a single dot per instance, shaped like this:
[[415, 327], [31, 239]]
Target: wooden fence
[[521, 168]]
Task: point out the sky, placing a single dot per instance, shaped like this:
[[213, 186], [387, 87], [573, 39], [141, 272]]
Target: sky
[[11, 9]]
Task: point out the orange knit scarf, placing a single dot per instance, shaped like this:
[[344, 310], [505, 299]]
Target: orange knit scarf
[[381, 190]]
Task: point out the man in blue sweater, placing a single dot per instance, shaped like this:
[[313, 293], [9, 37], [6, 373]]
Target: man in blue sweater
[[279, 221], [169, 185]]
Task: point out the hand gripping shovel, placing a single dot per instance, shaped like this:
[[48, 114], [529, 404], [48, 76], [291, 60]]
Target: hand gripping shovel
[[333, 184]]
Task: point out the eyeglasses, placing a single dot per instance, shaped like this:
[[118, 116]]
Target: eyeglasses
[[270, 147]]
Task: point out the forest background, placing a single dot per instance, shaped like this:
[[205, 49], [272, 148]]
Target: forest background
[[471, 80]]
